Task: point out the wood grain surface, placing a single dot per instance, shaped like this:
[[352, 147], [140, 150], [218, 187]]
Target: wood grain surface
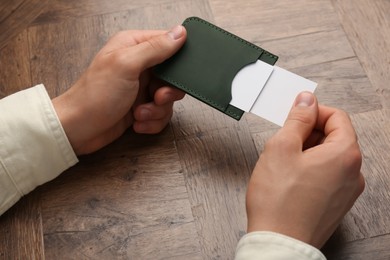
[[181, 194]]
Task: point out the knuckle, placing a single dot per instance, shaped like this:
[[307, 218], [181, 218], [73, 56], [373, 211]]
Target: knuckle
[[352, 159], [116, 58], [121, 62], [342, 113], [155, 44], [347, 118], [361, 184]]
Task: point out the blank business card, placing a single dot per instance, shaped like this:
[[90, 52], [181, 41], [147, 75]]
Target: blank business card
[[270, 98], [248, 84]]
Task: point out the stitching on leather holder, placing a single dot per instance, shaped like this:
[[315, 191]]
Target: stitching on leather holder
[[195, 93], [229, 34]]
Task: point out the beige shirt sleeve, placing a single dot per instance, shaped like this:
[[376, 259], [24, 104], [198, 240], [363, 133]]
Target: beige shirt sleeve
[[273, 246], [33, 146]]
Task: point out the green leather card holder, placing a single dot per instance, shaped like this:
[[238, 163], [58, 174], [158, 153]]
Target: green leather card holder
[[208, 62]]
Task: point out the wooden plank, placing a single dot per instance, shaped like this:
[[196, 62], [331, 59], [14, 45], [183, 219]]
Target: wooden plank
[[367, 25], [60, 11], [58, 61], [263, 20], [371, 210], [16, 16], [157, 16], [21, 229], [127, 201], [304, 50], [218, 156], [14, 66], [280, 28], [343, 84], [373, 248]]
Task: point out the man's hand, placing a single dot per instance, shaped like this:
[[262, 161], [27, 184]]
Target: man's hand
[[118, 90], [308, 176]]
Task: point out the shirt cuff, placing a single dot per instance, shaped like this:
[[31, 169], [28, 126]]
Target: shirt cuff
[[269, 245], [34, 148]]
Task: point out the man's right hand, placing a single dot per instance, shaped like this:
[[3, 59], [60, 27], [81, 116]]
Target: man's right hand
[[308, 176]]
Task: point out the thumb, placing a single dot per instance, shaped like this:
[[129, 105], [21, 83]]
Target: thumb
[[158, 48], [302, 117]]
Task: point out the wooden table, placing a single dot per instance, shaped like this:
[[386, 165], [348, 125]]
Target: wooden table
[[180, 194]]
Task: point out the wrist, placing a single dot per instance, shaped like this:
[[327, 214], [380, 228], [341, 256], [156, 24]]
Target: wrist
[[299, 230], [70, 116]]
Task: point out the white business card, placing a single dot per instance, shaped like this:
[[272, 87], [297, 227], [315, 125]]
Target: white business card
[[268, 91], [248, 84]]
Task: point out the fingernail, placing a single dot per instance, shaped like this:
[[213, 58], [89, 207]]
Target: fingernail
[[304, 99], [176, 32], [145, 114]]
